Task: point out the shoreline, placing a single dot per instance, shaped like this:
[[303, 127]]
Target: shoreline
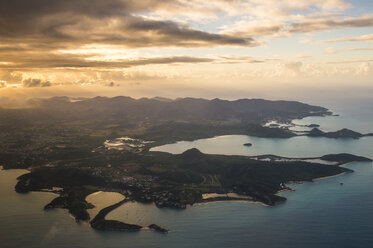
[[337, 175], [250, 201], [101, 224], [213, 200]]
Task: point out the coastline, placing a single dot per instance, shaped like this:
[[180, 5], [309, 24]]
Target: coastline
[[337, 175], [227, 198], [271, 198], [215, 200], [223, 197]]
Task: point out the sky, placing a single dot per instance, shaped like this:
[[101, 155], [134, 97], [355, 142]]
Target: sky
[[175, 48]]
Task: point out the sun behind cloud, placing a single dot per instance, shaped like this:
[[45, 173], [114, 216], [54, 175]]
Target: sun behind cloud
[[175, 44]]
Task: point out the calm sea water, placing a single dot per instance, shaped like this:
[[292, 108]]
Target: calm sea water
[[320, 214]]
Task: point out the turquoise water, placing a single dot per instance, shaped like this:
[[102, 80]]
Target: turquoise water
[[319, 214]]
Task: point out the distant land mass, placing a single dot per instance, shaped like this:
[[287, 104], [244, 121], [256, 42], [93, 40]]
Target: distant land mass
[[157, 119], [343, 133], [147, 111], [86, 145]]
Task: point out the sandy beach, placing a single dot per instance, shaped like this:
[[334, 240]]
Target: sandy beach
[[322, 178]]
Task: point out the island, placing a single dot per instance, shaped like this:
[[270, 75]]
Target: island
[[343, 133], [157, 228], [103, 144], [313, 125]]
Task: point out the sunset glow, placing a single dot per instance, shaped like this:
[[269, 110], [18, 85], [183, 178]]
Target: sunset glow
[[146, 48]]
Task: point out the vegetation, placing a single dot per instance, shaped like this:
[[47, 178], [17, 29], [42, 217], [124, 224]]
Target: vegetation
[[62, 143], [176, 180], [343, 133]]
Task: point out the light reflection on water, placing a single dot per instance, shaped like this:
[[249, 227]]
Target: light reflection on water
[[102, 200], [300, 147]]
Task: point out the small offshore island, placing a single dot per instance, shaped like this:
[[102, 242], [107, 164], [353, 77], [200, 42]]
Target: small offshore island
[[76, 148]]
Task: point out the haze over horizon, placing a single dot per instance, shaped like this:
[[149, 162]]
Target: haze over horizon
[[272, 49]]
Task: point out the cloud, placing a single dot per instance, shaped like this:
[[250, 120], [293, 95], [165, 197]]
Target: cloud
[[292, 24], [80, 61], [3, 84], [76, 40], [361, 49], [77, 22], [350, 61], [111, 84], [35, 83], [294, 66], [11, 77], [332, 50], [367, 37], [230, 59], [33, 34], [52, 24], [365, 68], [327, 23]]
